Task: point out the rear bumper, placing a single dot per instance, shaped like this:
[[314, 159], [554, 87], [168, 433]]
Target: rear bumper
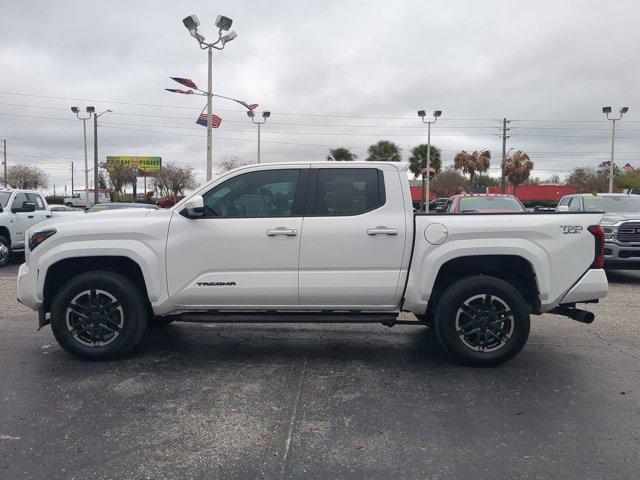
[[592, 286]]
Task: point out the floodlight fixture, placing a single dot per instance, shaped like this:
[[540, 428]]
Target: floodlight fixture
[[250, 113], [91, 109], [606, 109], [75, 109], [266, 114], [624, 110], [223, 23], [422, 113], [228, 37], [191, 23], [437, 113]]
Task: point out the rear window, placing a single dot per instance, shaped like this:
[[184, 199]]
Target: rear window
[[483, 204], [4, 198], [348, 191], [613, 204]]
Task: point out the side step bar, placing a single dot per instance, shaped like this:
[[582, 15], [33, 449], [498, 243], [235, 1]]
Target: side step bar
[[388, 319]]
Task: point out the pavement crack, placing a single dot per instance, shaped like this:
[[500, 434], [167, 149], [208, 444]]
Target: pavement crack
[[611, 344], [292, 419]]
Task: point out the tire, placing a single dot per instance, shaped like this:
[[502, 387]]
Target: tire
[[425, 320], [479, 333], [5, 251], [118, 324]]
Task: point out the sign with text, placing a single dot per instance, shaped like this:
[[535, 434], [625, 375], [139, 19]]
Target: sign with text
[[141, 164]]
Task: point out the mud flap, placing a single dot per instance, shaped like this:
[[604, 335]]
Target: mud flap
[[42, 317]]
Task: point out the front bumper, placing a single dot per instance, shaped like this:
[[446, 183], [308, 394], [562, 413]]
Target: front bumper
[[27, 287], [620, 255], [592, 286]]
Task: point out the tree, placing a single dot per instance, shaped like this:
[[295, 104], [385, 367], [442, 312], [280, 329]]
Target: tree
[[447, 182], [472, 163], [418, 159], [517, 168], [229, 163], [384, 151], [174, 180], [587, 179], [27, 177], [102, 181], [629, 180], [553, 180], [341, 154], [120, 176], [484, 180]]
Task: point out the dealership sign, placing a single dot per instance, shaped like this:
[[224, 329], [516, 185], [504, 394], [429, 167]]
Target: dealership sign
[[140, 164]]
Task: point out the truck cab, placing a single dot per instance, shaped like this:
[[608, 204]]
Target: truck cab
[[79, 199], [19, 210]]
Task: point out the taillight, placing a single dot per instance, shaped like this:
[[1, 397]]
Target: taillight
[[598, 233]]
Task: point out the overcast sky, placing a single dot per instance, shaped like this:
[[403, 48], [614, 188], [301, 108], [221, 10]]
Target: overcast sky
[[341, 73]]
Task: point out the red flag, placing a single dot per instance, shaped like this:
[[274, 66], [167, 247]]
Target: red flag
[[185, 81]]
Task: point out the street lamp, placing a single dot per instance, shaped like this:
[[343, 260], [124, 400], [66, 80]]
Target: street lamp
[[95, 151], [90, 111], [425, 183], [223, 23], [252, 116], [607, 112]]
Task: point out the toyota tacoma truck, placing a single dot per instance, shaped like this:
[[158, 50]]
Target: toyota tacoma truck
[[310, 242]]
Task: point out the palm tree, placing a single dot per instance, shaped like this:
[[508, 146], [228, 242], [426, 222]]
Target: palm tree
[[384, 151], [472, 163], [418, 159], [341, 154], [517, 168]]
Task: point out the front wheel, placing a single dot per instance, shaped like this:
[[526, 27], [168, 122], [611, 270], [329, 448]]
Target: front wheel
[[5, 251], [99, 315], [482, 321]]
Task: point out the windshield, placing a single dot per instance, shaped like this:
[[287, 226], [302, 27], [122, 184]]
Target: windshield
[[612, 204], [476, 204], [4, 198]]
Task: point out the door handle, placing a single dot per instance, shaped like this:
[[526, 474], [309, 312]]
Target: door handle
[[288, 232], [48, 216], [382, 231], [29, 216]]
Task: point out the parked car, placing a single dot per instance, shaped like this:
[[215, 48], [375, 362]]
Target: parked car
[[63, 210], [119, 206], [19, 210], [483, 203], [310, 242], [621, 224], [438, 202], [79, 199], [169, 201]]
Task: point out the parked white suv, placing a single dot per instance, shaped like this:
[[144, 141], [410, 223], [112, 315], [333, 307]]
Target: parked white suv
[[311, 242], [19, 210]]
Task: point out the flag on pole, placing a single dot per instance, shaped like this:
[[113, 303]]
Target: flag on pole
[[215, 120], [250, 106], [179, 90], [185, 81]]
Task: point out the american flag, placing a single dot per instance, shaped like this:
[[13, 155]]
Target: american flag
[[250, 106], [179, 90], [187, 82], [215, 120]]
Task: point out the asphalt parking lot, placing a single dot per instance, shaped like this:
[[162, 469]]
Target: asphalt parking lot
[[245, 401]]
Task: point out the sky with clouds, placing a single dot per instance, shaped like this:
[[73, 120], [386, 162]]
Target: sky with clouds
[[335, 73]]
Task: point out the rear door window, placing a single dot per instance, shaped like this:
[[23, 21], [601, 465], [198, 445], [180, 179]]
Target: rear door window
[[347, 191]]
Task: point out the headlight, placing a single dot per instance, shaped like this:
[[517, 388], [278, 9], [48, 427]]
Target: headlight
[[37, 238], [610, 232]]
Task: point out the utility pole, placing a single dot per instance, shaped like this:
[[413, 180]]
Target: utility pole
[[4, 156], [504, 151], [71, 178], [422, 114], [96, 183]]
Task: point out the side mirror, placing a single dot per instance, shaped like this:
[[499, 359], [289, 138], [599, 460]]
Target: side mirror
[[562, 208], [27, 207], [194, 207]]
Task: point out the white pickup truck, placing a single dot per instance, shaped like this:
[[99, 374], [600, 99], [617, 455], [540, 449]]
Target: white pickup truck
[[311, 242], [19, 210]]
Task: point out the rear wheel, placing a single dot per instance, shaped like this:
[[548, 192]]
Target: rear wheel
[[99, 315], [5, 251], [482, 320]]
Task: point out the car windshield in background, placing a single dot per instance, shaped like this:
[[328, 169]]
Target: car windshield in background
[[4, 198], [478, 204], [612, 204]]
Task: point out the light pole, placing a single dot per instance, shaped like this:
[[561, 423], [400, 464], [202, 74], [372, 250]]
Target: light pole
[[95, 152], [90, 111], [252, 116], [224, 24], [607, 111], [425, 184]]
